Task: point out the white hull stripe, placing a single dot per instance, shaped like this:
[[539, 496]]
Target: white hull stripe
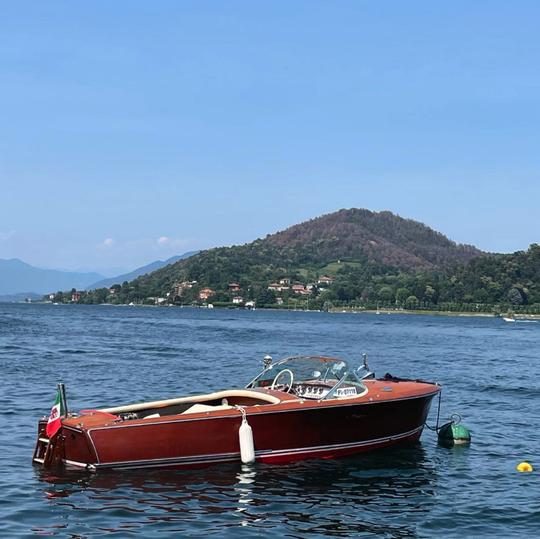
[[262, 454]]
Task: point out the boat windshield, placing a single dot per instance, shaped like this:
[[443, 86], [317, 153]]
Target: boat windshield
[[310, 377]]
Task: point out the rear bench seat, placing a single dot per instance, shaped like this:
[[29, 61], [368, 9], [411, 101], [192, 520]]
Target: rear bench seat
[[197, 408]]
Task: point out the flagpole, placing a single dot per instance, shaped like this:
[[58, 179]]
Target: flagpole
[[62, 390]]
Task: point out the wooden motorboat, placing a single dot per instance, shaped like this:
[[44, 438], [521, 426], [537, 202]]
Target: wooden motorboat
[[297, 408]]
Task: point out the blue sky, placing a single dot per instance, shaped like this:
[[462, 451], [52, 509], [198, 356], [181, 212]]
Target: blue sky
[[137, 130]]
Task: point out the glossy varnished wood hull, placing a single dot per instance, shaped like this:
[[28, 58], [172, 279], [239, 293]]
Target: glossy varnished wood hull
[[282, 433]]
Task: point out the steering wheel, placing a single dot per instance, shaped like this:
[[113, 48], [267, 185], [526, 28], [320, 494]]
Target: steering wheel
[[284, 371]]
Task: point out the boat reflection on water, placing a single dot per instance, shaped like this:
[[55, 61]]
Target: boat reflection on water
[[374, 493]]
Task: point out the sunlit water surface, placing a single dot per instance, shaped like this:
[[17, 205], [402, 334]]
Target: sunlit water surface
[[106, 355]]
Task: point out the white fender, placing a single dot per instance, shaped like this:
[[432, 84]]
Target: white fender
[[245, 436]]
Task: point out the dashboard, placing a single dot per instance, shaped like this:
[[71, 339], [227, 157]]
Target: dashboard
[[320, 391]]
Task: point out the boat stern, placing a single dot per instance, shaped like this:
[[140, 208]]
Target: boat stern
[[48, 452], [68, 447]]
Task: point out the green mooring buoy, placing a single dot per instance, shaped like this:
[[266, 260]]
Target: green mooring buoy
[[453, 433]]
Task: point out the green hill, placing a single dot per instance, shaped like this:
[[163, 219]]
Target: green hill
[[350, 257], [303, 252]]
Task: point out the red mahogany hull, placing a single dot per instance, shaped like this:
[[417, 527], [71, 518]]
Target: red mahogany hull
[[289, 431]]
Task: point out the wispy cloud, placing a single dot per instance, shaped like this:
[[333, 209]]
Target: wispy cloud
[[7, 235], [131, 253], [174, 243]]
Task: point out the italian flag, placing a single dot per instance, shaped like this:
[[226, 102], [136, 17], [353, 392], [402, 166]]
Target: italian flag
[[55, 419]]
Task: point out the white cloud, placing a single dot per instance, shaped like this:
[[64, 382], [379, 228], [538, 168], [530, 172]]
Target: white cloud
[[108, 242], [7, 235], [171, 243]]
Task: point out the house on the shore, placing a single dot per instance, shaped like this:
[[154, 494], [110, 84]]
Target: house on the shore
[[238, 300], [234, 287], [206, 293], [178, 288], [75, 296]]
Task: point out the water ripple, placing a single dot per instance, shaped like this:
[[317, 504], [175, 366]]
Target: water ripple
[[490, 374]]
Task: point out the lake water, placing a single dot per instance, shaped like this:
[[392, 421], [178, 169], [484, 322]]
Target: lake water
[[490, 371]]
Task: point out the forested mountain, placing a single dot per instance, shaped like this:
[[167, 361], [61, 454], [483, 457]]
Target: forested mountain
[[380, 237], [350, 257], [378, 241]]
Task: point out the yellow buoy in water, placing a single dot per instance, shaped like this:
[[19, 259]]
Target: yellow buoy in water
[[524, 467]]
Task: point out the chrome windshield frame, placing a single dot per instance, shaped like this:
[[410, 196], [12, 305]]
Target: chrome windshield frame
[[348, 372]]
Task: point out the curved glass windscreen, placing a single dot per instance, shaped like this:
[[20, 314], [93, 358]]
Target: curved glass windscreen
[[311, 377]]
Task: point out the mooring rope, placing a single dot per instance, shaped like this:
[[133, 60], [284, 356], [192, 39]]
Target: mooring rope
[[242, 411], [436, 428]]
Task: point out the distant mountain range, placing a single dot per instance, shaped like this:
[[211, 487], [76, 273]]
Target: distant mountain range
[[143, 270], [18, 277], [19, 280]]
